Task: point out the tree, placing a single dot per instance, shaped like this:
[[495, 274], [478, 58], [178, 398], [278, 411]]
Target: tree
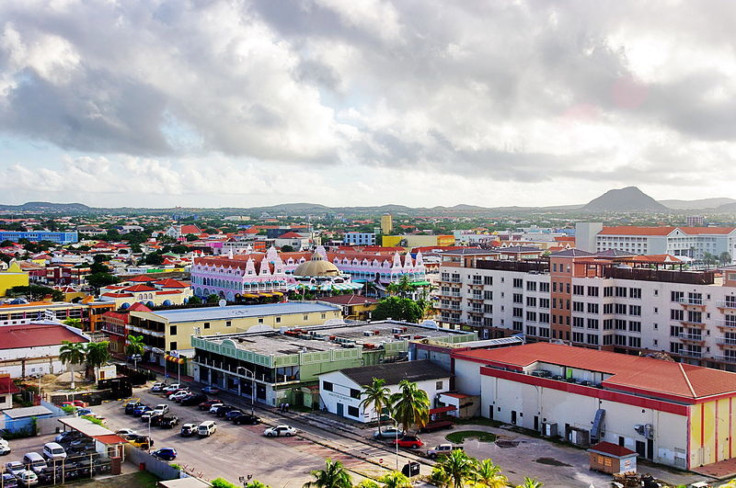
[[7, 243], [378, 396], [194, 300], [179, 249], [456, 468], [154, 259], [98, 354], [410, 405], [99, 280], [333, 476], [256, 484], [287, 248], [135, 347], [724, 258], [395, 480], [398, 308], [213, 298], [76, 323], [191, 237], [533, 483], [72, 353], [488, 474]]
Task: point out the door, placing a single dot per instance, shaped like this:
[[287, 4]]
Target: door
[[536, 423], [641, 449], [621, 441], [513, 417], [490, 412], [340, 410], [650, 449]]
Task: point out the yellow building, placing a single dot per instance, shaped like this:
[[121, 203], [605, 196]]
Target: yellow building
[[387, 224], [13, 276], [410, 241], [170, 330]]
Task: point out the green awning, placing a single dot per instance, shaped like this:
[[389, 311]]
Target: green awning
[[421, 283]]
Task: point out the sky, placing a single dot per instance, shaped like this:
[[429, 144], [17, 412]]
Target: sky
[[244, 103]]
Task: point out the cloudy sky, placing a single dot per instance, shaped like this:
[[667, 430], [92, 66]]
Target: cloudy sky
[[416, 102]]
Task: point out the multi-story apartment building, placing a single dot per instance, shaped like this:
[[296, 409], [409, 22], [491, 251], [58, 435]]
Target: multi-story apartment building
[[691, 242], [360, 238], [608, 301], [37, 236]]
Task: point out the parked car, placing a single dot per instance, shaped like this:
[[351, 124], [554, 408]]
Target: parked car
[[206, 405], [231, 414], [215, 406], [14, 467], [34, 461], [68, 436], [161, 409], [131, 406], [9, 481], [4, 447], [194, 399], [125, 432], [142, 441], [158, 387], [149, 415], [409, 441], [179, 395], [443, 450], [211, 390], [165, 453], [437, 425], [207, 428], [141, 409], [280, 430], [173, 388], [53, 452], [167, 421], [388, 433], [246, 418], [224, 409], [27, 478], [188, 430]]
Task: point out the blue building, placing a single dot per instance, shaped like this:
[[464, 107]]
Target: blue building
[[360, 238], [37, 236]]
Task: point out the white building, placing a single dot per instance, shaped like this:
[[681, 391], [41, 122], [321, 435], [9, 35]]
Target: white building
[[341, 392], [669, 413], [33, 349], [360, 238]]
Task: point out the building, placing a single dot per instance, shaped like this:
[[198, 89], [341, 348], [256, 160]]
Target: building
[[360, 239], [387, 224], [695, 220], [33, 349], [669, 413], [180, 232], [418, 240], [610, 300], [13, 276], [354, 307], [62, 238], [172, 330], [7, 390], [286, 363], [18, 312], [150, 291], [341, 392], [689, 242]]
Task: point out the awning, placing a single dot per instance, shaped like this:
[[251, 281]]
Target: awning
[[449, 408], [421, 283], [250, 295]]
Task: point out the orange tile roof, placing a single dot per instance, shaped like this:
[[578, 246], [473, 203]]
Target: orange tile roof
[[657, 258], [636, 231], [171, 283], [707, 230], [138, 288], [645, 375]]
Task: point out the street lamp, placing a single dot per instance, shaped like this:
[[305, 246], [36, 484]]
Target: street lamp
[[396, 439], [252, 375]]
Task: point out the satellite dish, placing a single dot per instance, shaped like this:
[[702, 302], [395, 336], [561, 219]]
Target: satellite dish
[[430, 323], [222, 303]]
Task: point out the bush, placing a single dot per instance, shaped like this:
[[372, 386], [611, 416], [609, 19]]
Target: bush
[[223, 483], [92, 419]]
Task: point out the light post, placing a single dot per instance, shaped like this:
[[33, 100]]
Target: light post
[[396, 439], [252, 375], [149, 432]]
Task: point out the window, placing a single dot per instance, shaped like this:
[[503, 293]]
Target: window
[[620, 340], [206, 325], [438, 385], [278, 320], [608, 324], [634, 326], [543, 332], [677, 296], [487, 295], [620, 324], [531, 316], [607, 308], [488, 280], [354, 393], [544, 303], [228, 323], [487, 308], [593, 339], [695, 317], [172, 330], [635, 292], [592, 323], [531, 330], [578, 322], [306, 317], [172, 346], [592, 291], [517, 326], [675, 330], [635, 310], [518, 298], [531, 302], [531, 286], [544, 287], [554, 286], [578, 306], [577, 337], [675, 347], [607, 340], [677, 314], [327, 386], [592, 308], [518, 312], [324, 315], [621, 308], [518, 283], [608, 291], [544, 318], [634, 341], [621, 291], [578, 290], [260, 320]]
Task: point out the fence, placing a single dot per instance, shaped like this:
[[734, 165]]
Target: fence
[[79, 466], [160, 468]]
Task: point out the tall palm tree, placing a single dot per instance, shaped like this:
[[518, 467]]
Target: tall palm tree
[[377, 396], [333, 476], [439, 477], [135, 347], [72, 353], [533, 483], [457, 468], [410, 405], [487, 474], [98, 354], [395, 480]]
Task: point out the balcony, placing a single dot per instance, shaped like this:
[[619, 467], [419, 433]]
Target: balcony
[[726, 359], [726, 342], [687, 323], [729, 305], [691, 338], [692, 302], [726, 323], [691, 354]]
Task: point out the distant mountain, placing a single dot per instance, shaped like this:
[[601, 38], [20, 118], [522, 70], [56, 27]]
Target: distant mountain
[[47, 207], [727, 208], [702, 204], [629, 199]]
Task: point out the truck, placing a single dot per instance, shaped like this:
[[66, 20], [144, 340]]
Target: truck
[[166, 421], [443, 449]]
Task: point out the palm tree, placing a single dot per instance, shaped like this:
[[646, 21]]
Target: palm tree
[[376, 396], [411, 405], [333, 476], [395, 480], [98, 354], [456, 468], [135, 347], [530, 483], [72, 353], [487, 474], [439, 477]]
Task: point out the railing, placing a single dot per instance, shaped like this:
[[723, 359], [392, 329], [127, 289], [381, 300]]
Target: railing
[[727, 342], [726, 323], [691, 337], [727, 304], [728, 359], [691, 301], [691, 354]]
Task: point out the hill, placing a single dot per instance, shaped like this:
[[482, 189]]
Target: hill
[[47, 207], [702, 204], [629, 199]]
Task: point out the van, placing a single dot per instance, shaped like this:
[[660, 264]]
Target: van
[[34, 461], [54, 452], [207, 428]]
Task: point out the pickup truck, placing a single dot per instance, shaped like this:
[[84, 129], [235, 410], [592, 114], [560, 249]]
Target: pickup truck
[[442, 449], [165, 421]]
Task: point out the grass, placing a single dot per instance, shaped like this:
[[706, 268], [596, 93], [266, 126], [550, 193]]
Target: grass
[[141, 479], [459, 437]]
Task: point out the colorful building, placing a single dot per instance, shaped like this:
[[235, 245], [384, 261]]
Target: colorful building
[[150, 291], [62, 238], [13, 276]]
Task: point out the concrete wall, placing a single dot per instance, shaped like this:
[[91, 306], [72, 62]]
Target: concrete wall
[[153, 465]]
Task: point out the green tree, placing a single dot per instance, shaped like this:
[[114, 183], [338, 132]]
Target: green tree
[[179, 249], [77, 323], [333, 476], [395, 479], [488, 475], [154, 259], [191, 237], [135, 347], [398, 308], [724, 258], [194, 300], [7, 243], [213, 298], [72, 353], [410, 405], [439, 477], [98, 354], [455, 469], [100, 280], [256, 484], [377, 396], [287, 248]]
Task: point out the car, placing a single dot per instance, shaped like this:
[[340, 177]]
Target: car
[[179, 395], [206, 405], [68, 436], [84, 411], [158, 387], [231, 414], [131, 406], [246, 418], [125, 432], [388, 433], [142, 441], [188, 430], [211, 390], [195, 399], [443, 450], [409, 441], [140, 410], [165, 453], [9, 481], [4, 447], [27, 478], [173, 388], [437, 425], [280, 430], [167, 421], [223, 410], [161, 409], [14, 467], [75, 403], [148, 416], [215, 406]]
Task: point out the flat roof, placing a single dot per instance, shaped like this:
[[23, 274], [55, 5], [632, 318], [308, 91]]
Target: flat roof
[[19, 413], [241, 311], [277, 343]]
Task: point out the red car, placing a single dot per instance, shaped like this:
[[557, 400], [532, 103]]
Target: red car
[[409, 441], [206, 405]]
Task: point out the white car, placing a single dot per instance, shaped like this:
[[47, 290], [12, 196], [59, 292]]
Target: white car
[[14, 468], [158, 387], [124, 432], [4, 447], [215, 406], [179, 395], [160, 409], [280, 430], [27, 478], [173, 388]]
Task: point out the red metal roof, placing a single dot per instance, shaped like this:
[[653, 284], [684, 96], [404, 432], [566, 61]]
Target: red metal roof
[[171, 283], [138, 307], [35, 335], [612, 449], [7, 385], [638, 374], [110, 439], [442, 410], [141, 279], [137, 288]]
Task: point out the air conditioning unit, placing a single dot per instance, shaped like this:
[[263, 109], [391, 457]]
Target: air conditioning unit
[[639, 428]]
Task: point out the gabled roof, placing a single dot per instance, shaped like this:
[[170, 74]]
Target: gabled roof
[[139, 288], [291, 235], [141, 279], [171, 283], [612, 450], [393, 373], [614, 253], [190, 229], [572, 253], [138, 307]]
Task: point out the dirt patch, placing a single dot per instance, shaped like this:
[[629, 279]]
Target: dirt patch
[[551, 462], [507, 444]]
